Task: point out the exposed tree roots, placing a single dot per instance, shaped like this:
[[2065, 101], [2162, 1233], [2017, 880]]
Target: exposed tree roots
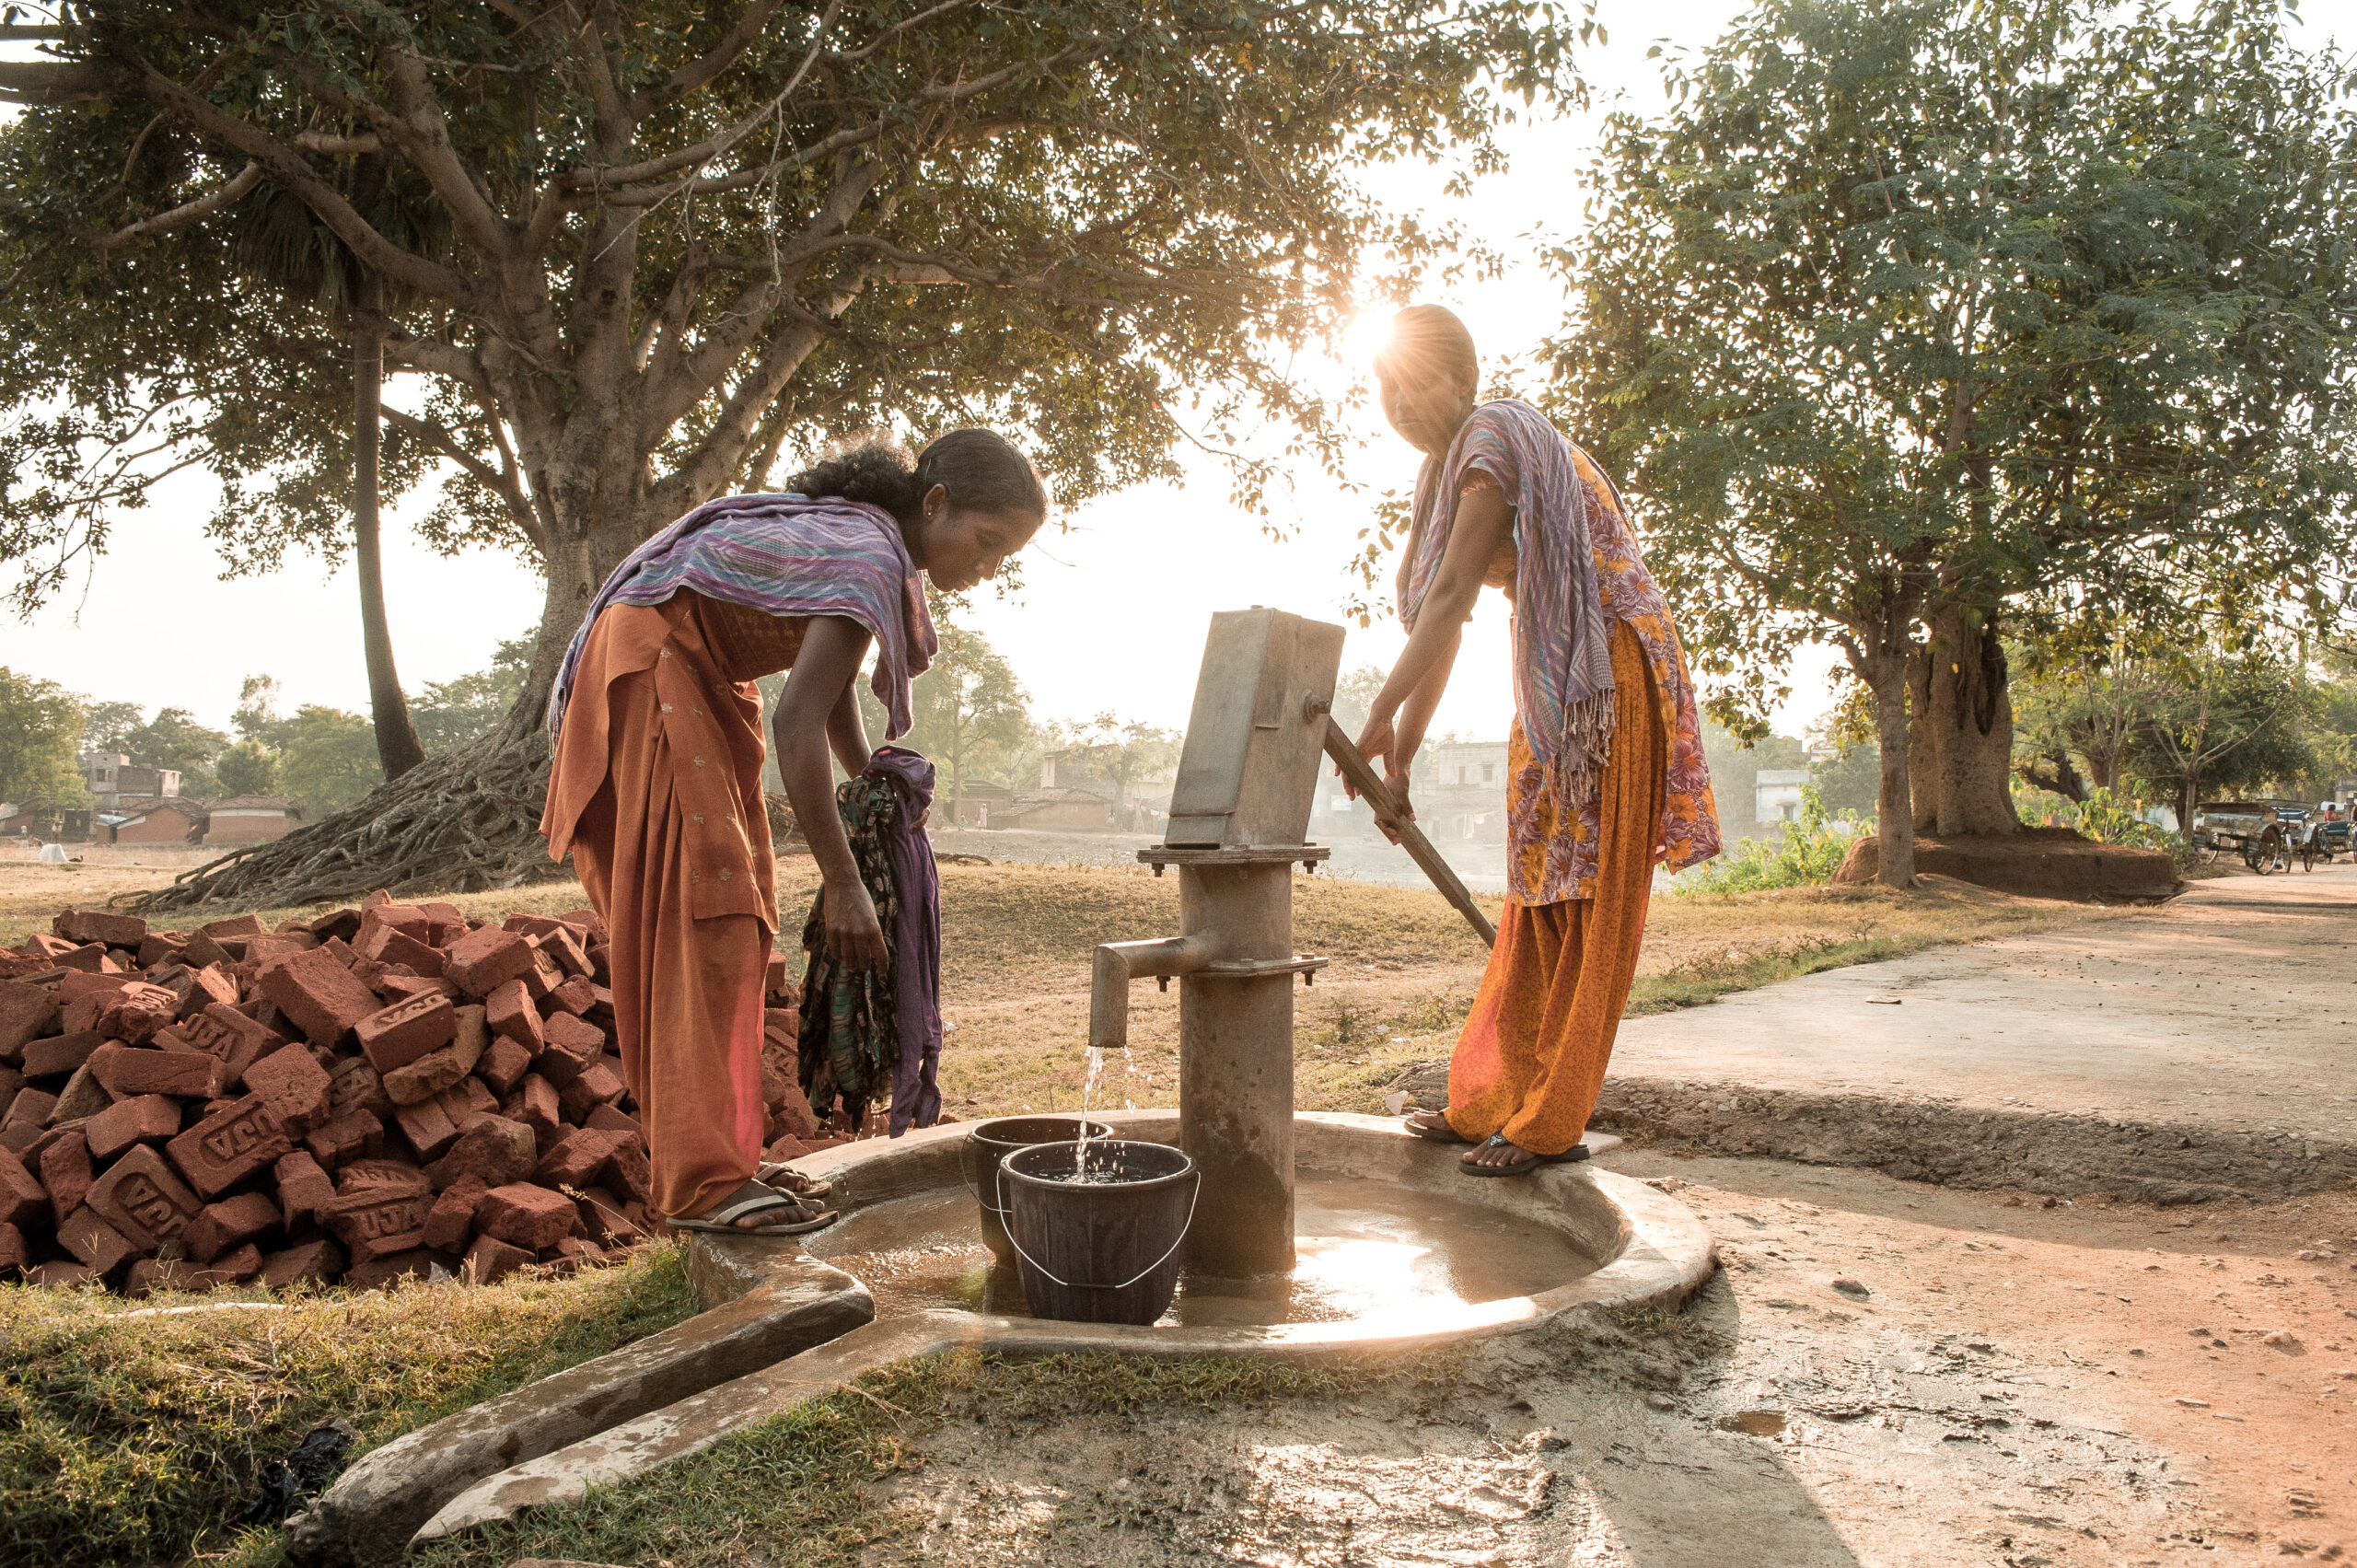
[[465, 822]]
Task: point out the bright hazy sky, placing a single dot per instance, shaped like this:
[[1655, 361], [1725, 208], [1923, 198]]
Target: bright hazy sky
[[1114, 608]]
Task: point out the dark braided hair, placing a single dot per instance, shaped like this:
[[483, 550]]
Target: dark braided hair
[[979, 469]]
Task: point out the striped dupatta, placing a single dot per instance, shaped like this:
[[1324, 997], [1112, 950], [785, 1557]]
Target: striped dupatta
[[1562, 643]]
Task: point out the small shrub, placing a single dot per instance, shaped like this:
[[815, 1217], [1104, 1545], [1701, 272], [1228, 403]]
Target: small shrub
[[1803, 852]]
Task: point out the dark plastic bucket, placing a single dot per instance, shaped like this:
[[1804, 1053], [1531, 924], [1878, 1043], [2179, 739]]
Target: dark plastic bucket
[[1103, 1251], [991, 1141]]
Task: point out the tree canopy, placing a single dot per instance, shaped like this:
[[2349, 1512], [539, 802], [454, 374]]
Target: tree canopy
[[1910, 319], [633, 254], [40, 729]]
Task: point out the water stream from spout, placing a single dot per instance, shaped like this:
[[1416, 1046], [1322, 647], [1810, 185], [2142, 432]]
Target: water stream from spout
[[1089, 1098]]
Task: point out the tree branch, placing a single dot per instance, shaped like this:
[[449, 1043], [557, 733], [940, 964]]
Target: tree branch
[[502, 481], [186, 213]]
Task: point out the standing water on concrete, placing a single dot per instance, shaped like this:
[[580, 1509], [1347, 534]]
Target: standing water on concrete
[[1366, 1249]]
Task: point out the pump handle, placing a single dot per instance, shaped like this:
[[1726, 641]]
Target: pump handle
[[1363, 778]]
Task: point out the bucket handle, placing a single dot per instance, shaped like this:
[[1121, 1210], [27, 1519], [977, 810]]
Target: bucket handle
[[1081, 1284]]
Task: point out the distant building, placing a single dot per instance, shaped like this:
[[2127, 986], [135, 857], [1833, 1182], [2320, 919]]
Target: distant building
[[1058, 810], [1458, 789], [981, 804], [251, 820], [50, 824], [156, 819], [1776, 793], [110, 776]]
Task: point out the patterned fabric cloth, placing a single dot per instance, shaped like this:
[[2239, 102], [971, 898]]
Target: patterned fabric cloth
[[849, 1047], [916, 947], [1563, 667], [1552, 834], [788, 556]]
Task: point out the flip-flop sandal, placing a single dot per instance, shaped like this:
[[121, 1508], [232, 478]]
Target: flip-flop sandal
[[787, 1179], [1443, 1133], [723, 1221], [1520, 1167]]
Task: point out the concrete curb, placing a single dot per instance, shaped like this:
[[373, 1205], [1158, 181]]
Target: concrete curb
[[765, 1302], [1949, 1143]]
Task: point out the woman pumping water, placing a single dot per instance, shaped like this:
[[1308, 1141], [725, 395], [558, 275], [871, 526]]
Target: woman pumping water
[[1605, 776], [656, 789]]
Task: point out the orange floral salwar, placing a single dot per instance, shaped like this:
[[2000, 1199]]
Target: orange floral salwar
[[1531, 1063]]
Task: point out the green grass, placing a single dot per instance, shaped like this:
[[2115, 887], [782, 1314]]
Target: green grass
[[799, 1488], [1707, 979], [128, 1437]]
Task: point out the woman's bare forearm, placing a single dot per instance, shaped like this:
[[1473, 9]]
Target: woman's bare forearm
[[1416, 713], [1484, 523], [823, 670], [847, 732]]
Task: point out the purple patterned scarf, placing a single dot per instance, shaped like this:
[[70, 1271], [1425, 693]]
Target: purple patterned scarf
[[787, 556], [1563, 643]]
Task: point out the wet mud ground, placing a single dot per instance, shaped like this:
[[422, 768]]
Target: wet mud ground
[[1881, 1373]]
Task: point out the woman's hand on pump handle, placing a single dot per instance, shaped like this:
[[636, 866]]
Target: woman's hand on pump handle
[[1379, 742]]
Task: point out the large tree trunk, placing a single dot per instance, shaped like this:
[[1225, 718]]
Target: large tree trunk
[[398, 747], [1885, 677], [1962, 745]]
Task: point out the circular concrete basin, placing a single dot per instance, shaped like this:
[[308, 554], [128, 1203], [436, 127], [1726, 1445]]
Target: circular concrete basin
[[1396, 1248]]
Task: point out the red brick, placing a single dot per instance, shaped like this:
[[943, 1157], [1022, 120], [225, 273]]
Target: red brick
[[450, 1223], [598, 1085], [60, 1274], [297, 1088], [511, 1015], [379, 1219], [396, 1036], [158, 945], [432, 1125], [629, 1171], [438, 1070], [570, 955], [81, 1096], [343, 1139], [30, 1111], [573, 1045], [778, 982], [353, 1085], [228, 1036], [235, 925], [89, 959], [577, 1160], [137, 1012], [22, 1199], [98, 1244], [491, 1259], [494, 1151], [480, 961], [538, 924], [543, 977], [140, 1196], [176, 977], [504, 1065], [587, 921], [15, 1256], [382, 1273], [381, 924], [399, 947], [613, 1119], [66, 1172], [303, 1188], [142, 1119], [26, 1013], [204, 952], [394, 986], [575, 996], [55, 1056], [318, 994], [190, 1074], [606, 1218], [229, 1224], [536, 1107], [317, 1262], [274, 944], [94, 925], [528, 1216], [233, 1142], [336, 926]]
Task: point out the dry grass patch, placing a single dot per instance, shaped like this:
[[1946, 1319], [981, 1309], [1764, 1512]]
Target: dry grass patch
[[129, 1434]]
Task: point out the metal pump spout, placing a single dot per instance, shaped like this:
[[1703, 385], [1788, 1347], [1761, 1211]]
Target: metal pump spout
[[1119, 963]]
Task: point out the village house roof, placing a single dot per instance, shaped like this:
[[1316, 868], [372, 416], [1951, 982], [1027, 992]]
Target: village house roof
[[255, 803], [187, 805], [1056, 795]]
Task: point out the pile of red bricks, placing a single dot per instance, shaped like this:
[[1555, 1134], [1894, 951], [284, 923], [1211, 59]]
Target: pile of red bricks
[[380, 1091]]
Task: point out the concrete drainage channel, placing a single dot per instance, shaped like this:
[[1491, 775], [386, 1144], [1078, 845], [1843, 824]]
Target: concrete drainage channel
[[781, 1327]]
